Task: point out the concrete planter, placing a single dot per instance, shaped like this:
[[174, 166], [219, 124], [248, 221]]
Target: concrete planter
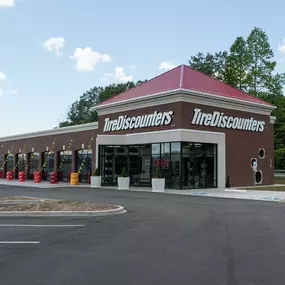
[[123, 183], [95, 181], [158, 184]]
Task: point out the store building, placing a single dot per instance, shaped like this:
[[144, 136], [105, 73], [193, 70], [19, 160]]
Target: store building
[[200, 131]]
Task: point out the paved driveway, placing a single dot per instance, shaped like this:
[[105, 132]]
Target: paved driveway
[[163, 239]]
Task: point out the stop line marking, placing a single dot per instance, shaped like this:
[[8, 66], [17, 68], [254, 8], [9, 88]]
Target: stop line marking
[[19, 242], [34, 225]]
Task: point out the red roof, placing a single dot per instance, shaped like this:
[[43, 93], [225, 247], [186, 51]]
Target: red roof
[[184, 77]]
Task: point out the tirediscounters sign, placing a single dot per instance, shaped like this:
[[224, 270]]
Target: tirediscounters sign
[[127, 123], [219, 120]]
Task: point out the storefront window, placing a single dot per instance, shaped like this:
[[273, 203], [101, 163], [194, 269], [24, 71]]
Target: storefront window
[[183, 165], [175, 164], [136, 160], [134, 165], [1, 161], [84, 160], [21, 160], [164, 163], [65, 158], [10, 162], [34, 164], [48, 159], [107, 164], [145, 166], [155, 151]]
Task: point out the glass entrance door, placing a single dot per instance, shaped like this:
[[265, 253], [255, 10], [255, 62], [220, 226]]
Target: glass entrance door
[[139, 165], [199, 166]]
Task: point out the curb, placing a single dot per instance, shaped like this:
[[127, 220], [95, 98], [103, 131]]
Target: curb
[[119, 210]]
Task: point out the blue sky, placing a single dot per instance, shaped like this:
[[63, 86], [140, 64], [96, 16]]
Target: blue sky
[[51, 51]]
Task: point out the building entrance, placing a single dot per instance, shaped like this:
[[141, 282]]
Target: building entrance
[[199, 165], [184, 165], [136, 160]]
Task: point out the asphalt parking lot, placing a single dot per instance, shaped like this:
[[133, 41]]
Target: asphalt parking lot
[[163, 239]]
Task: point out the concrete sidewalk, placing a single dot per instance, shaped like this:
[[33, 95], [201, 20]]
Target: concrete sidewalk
[[231, 193], [276, 196], [43, 184]]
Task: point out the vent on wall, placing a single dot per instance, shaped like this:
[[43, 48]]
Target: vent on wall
[[258, 177], [261, 153]]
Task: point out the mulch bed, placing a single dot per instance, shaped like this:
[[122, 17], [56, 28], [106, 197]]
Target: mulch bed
[[60, 206]]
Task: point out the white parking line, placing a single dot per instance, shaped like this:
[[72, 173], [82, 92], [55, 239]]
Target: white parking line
[[19, 242], [27, 225], [235, 190]]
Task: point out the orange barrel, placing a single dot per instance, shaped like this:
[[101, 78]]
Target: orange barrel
[[53, 178], [74, 178], [37, 177], [21, 176]]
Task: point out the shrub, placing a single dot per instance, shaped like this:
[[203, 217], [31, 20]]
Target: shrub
[[97, 172], [157, 173], [124, 172]]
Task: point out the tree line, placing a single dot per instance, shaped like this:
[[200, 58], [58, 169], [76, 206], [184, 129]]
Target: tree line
[[248, 65]]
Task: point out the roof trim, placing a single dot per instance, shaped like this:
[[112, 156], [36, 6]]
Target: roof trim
[[58, 131], [186, 91], [272, 119], [181, 76]]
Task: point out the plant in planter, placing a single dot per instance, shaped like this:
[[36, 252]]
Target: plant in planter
[[95, 179], [158, 183], [124, 180]]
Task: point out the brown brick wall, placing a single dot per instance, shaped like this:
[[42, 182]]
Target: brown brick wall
[[241, 146]]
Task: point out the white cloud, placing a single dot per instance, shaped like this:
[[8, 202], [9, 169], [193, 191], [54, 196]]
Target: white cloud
[[7, 3], [133, 66], [54, 44], [8, 91], [2, 75], [119, 76], [282, 46], [166, 65], [86, 59], [11, 91]]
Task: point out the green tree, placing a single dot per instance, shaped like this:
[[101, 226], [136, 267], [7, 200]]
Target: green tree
[[210, 64], [237, 65], [79, 111], [279, 158], [249, 66], [261, 63]]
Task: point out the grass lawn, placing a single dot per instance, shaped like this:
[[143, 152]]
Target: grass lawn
[[265, 188], [277, 180]]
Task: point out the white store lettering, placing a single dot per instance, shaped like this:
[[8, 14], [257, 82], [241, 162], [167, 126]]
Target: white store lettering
[[217, 119], [144, 121]]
